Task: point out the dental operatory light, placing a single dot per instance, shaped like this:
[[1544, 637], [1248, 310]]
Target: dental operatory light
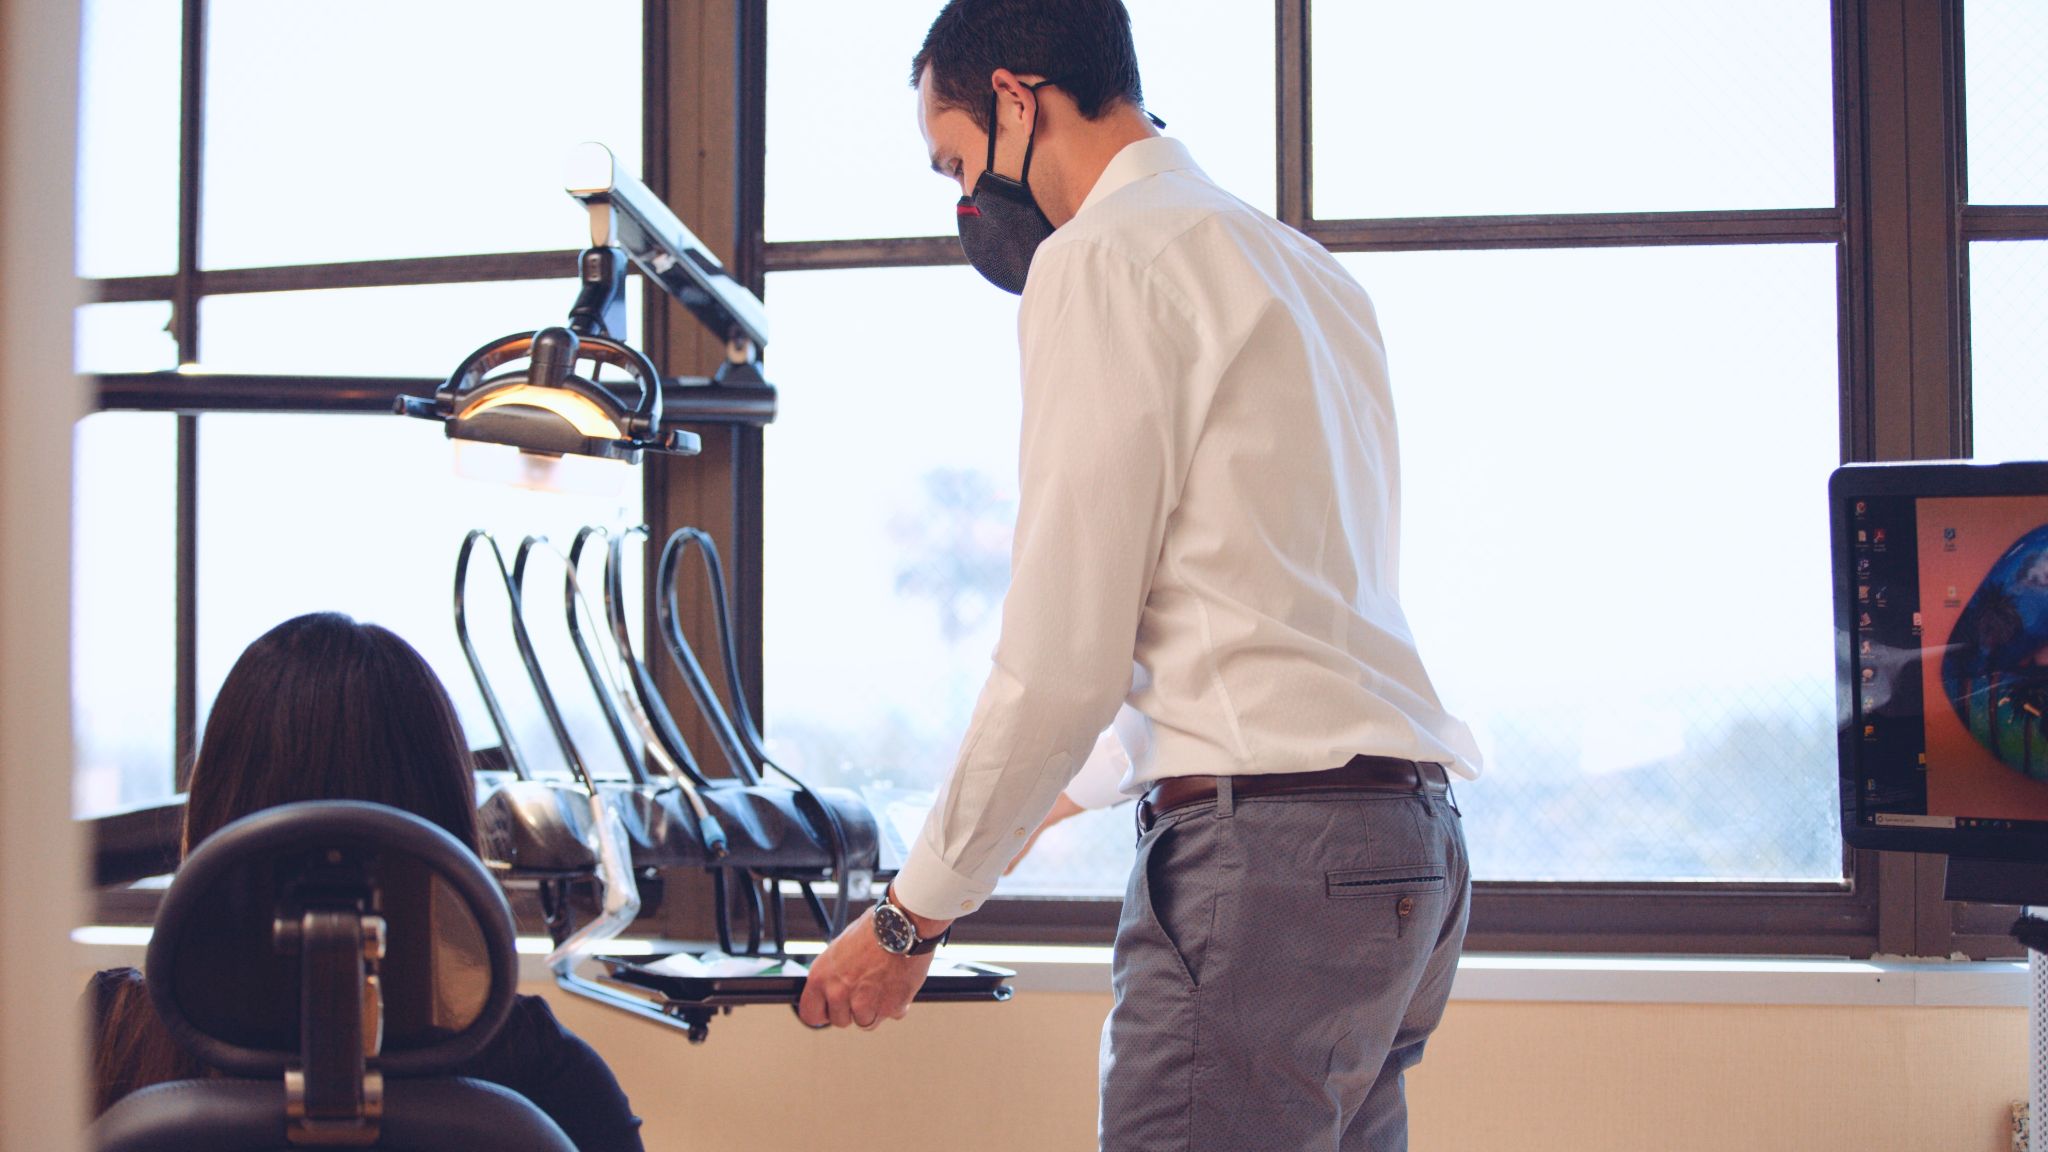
[[545, 407], [525, 390]]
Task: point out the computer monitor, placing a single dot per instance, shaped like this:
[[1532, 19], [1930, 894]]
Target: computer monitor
[[1941, 632]]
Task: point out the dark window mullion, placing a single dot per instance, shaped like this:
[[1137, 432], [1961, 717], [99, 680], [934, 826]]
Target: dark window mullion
[[191, 142], [1582, 230], [850, 255], [2005, 222], [1570, 230], [1294, 203], [185, 331], [480, 268], [187, 583]]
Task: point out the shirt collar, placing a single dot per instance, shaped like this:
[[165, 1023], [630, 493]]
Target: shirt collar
[[1139, 159]]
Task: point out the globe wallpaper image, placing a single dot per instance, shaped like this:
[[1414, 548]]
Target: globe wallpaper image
[[1984, 603]]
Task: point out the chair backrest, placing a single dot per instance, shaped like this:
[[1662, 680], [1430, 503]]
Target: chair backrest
[[337, 956]]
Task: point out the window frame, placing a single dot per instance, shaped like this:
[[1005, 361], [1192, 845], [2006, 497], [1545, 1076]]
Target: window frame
[[1900, 226], [699, 491]]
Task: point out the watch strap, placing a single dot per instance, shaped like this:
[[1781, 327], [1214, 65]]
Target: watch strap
[[924, 946]]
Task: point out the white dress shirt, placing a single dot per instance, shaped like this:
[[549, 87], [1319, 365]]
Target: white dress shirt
[[1207, 526]]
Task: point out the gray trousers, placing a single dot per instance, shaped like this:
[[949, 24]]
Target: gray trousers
[[1280, 963]]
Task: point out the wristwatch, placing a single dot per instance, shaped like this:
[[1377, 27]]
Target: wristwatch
[[898, 932]]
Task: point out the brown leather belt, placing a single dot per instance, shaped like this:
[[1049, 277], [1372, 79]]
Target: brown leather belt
[[1361, 774]]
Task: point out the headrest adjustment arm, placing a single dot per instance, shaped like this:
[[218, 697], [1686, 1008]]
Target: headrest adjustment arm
[[333, 1098]]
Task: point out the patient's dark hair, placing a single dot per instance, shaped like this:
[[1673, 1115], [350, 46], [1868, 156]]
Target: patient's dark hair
[[1082, 46], [319, 708], [324, 708]]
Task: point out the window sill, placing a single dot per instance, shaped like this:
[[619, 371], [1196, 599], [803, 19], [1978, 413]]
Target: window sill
[[1508, 977], [1630, 979]]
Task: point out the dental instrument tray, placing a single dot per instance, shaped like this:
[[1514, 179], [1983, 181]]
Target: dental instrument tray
[[685, 981]]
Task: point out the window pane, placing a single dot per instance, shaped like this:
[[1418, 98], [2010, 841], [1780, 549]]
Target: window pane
[[2006, 94], [123, 608], [891, 490], [364, 515], [2009, 349], [1616, 549], [126, 337], [394, 128], [416, 330], [846, 160], [1480, 107], [128, 138], [1211, 80]]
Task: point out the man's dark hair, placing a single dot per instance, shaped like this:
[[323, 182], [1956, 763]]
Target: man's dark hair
[[1082, 46]]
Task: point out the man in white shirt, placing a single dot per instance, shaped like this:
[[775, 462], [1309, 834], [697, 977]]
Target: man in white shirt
[[1206, 536]]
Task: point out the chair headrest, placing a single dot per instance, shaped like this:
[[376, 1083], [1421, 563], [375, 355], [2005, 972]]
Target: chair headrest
[[230, 992]]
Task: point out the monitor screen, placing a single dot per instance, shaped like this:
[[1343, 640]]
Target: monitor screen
[[1941, 607]]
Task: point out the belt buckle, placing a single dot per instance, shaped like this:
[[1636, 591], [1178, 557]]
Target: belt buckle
[[1145, 815]]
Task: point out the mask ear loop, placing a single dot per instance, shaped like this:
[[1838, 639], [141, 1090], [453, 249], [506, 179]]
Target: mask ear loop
[[990, 166], [1030, 142]]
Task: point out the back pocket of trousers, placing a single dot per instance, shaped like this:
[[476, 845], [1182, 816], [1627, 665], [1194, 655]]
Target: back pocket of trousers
[[1399, 880]]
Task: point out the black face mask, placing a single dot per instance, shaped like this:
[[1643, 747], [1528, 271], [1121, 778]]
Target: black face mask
[[1001, 226]]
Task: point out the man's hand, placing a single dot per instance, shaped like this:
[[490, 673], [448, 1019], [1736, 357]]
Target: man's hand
[[857, 981], [1062, 808]]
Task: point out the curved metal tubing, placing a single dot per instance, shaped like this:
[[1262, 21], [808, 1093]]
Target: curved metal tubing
[[744, 736], [668, 614], [661, 723], [618, 891], [649, 715], [531, 659], [476, 664], [601, 684]]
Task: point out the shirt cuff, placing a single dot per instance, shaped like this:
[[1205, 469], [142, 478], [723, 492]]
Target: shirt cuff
[[930, 888]]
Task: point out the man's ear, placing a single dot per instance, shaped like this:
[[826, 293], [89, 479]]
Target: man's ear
[[1016, 103]]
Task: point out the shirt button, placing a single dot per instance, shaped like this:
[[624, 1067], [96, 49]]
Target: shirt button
[[1405, 908], [967, 905]]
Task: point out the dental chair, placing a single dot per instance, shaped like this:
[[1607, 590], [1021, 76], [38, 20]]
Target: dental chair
[[333, 962]]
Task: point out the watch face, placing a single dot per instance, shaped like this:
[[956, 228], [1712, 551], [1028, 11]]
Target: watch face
[[894, 929]]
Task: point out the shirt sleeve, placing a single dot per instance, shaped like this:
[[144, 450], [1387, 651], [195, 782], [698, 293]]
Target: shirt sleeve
[[1109, 359], [1099, 783]]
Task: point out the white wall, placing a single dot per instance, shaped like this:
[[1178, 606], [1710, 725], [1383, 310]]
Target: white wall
[[41, 877]]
